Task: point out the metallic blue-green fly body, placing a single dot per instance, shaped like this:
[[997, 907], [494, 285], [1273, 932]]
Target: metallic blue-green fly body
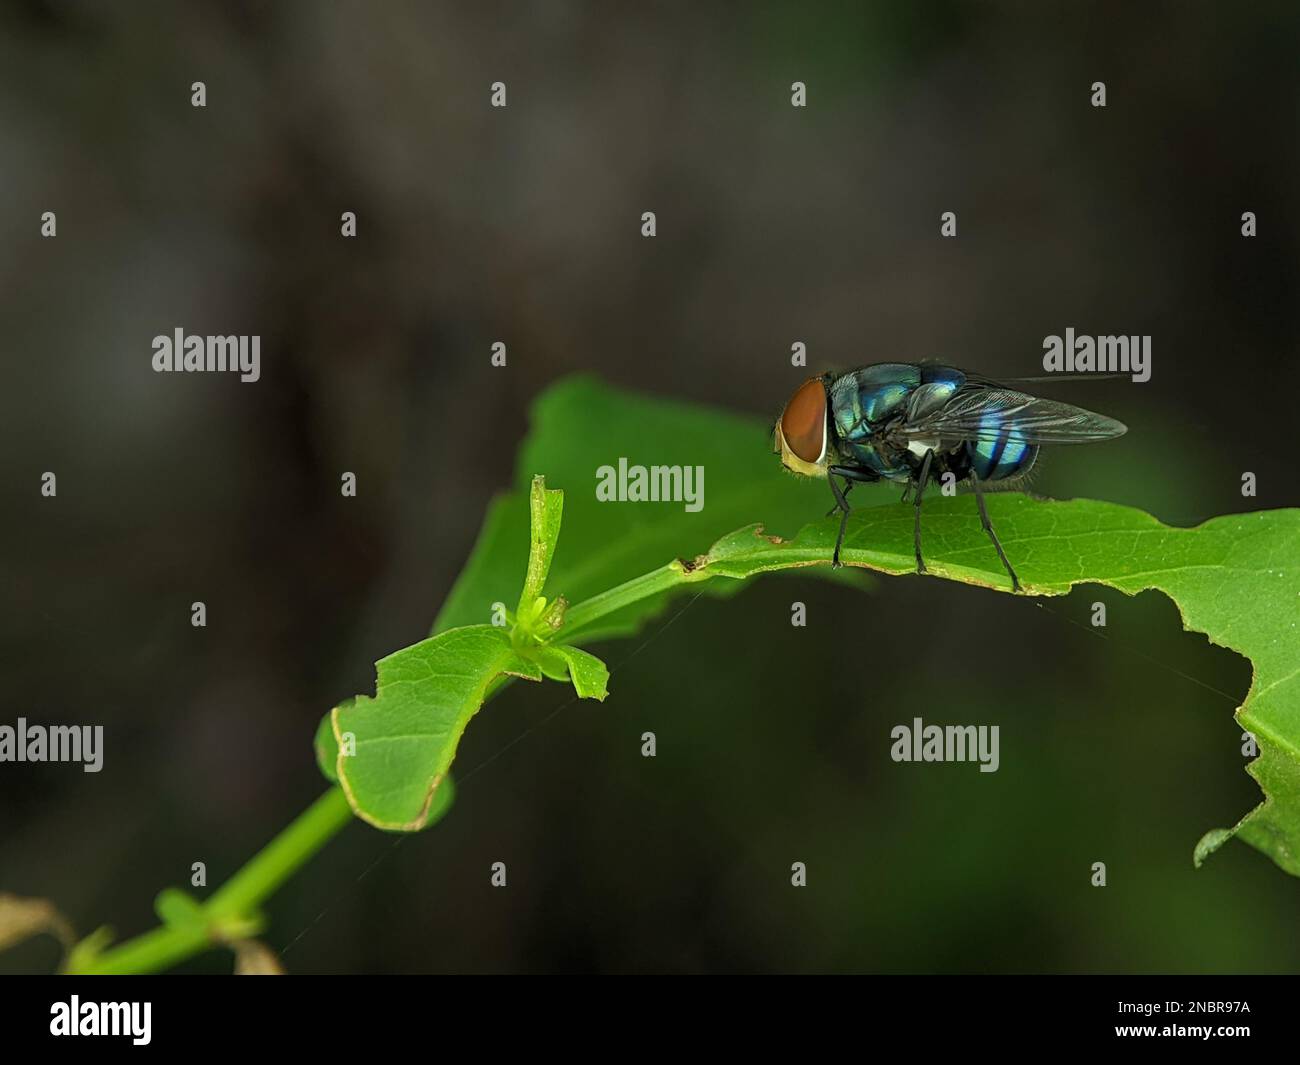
[[909, 423]]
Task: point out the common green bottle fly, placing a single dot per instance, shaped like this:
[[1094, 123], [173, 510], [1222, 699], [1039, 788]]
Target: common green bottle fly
[[910, 423]]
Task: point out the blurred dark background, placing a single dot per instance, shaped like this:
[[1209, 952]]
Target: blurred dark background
[[775, 224]]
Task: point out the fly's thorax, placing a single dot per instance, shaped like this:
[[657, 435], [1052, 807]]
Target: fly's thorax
[[876, 455], [866, 401], [871, 405], [874, 446]]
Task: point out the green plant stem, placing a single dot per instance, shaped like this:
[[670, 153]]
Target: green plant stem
[[657, 581], [238, 898]]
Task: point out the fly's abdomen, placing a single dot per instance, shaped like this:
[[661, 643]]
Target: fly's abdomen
[[1001, 454]]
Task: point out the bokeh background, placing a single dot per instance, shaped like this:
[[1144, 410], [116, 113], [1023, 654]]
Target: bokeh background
[[776, 225]]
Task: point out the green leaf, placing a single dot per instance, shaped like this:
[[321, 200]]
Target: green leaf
[[589, 675], [406, 736], [84, 953], [545, 509], [1209, 843], [177, 908], [327, 748]]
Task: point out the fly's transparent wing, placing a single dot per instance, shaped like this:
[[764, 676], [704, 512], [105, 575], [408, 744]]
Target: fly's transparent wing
[[992, 413]]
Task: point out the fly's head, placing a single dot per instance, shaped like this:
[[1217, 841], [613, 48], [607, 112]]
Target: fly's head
[[802, 433]]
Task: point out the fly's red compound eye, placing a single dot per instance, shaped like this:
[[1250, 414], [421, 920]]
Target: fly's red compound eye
[[803, 424]]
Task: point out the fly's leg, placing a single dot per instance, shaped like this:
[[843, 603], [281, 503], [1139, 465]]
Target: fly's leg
[[851, 475], [988, 528], [842, 505], [921, 478], [848, 487]]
